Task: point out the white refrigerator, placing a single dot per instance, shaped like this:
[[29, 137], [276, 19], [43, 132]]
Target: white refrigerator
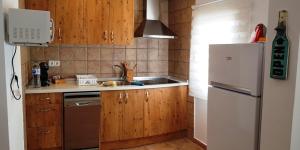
[[234, 96]]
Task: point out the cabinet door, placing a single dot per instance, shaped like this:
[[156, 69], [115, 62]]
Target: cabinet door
[[152, 106], [168, 110], [133, 114], [70, 16], [121, 21], [181, 107], [111, 115], [44, 138], [47, 5], [97, 21]]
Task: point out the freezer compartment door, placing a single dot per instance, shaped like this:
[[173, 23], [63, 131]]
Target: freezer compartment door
[[232, 120], [237, 66]]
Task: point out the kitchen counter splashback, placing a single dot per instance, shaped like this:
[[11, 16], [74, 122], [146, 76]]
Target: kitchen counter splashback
[[71, 86]]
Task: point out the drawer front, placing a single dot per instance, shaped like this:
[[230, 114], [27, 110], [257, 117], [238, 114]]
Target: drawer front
[[44, 138], [43, 115], [43, 99]]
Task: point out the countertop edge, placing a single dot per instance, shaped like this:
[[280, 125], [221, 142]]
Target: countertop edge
[[75, 88]]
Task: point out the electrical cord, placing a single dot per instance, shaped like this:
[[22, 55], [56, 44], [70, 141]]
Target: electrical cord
[[14, 77]]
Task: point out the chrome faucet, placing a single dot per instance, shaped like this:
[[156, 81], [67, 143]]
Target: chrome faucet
[[122, 69]]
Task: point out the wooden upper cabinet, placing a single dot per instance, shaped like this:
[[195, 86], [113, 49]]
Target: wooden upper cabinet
[[70, 19], [97, 18], [121, 21], [91, 22]]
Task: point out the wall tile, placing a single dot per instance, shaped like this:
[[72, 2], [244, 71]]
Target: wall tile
[[80, 53], [153, 43], [37, 54], [93, 67], [106, 67], [67, 67], [142, 43], [66, 54], [106, 54], [142, 66], [81, 67], [93, 54], [119, 55], [142, 54], [51, 53], [153, 54], [131, 54]]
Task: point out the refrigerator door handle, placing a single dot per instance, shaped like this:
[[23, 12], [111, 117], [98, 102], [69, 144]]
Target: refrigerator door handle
[[231, 87]]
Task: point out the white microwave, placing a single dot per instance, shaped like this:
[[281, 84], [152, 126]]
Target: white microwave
[[29, 27]]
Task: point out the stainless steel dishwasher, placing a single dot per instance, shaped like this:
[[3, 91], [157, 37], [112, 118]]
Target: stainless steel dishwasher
[[81, 120]]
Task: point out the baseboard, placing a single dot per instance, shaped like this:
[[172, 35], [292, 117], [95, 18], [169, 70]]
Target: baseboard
[[204, 146]]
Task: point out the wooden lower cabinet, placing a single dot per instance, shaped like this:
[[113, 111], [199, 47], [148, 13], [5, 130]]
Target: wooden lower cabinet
[[137, 114], [165, 110], [122, 115], [44, 121]]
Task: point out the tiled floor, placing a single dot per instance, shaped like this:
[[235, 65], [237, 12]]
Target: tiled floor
[[179, 144]]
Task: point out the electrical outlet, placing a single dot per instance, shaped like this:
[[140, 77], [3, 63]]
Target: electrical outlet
[[57, 63], [51, 63]]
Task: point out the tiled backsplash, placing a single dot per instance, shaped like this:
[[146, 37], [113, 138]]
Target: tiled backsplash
[[150, 56]]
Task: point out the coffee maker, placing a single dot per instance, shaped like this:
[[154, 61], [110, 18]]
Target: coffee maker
[[44, 74]]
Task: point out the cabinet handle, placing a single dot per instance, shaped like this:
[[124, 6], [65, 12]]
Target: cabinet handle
[[45, 110], [147, 96], [44, 131], [59, 34], [112, 36], [126, 98], [48, 99], [120, 98], [105, 35]]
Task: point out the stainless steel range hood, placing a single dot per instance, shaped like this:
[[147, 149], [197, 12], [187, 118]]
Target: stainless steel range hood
[[152, 27]]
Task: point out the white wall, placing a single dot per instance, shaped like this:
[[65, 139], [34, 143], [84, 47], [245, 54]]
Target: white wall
[[295, 144], [14, 108], [278, 99], [4, 142]]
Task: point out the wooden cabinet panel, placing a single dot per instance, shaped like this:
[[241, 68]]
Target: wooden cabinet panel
[[152, 113], [43, 99], [44, 138], [70, 18], [133, 114], [168, 110], [111, 115], [181, 107], [121, 21], [44, 115], [97, 21]]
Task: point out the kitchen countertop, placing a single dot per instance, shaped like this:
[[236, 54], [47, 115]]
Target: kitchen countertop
[[71, 86]]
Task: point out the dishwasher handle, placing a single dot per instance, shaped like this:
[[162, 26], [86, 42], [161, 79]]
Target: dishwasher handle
[[83, 103]]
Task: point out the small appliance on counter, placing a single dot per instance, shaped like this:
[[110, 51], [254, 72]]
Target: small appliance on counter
[[44, 74]]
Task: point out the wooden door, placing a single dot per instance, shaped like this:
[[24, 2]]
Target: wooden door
[[181, 107], [70, 18], [133, 115], [46, 5], [121, 21], [152, 117], [97, 21], [44, 138], [168, 110], [111, 115]]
